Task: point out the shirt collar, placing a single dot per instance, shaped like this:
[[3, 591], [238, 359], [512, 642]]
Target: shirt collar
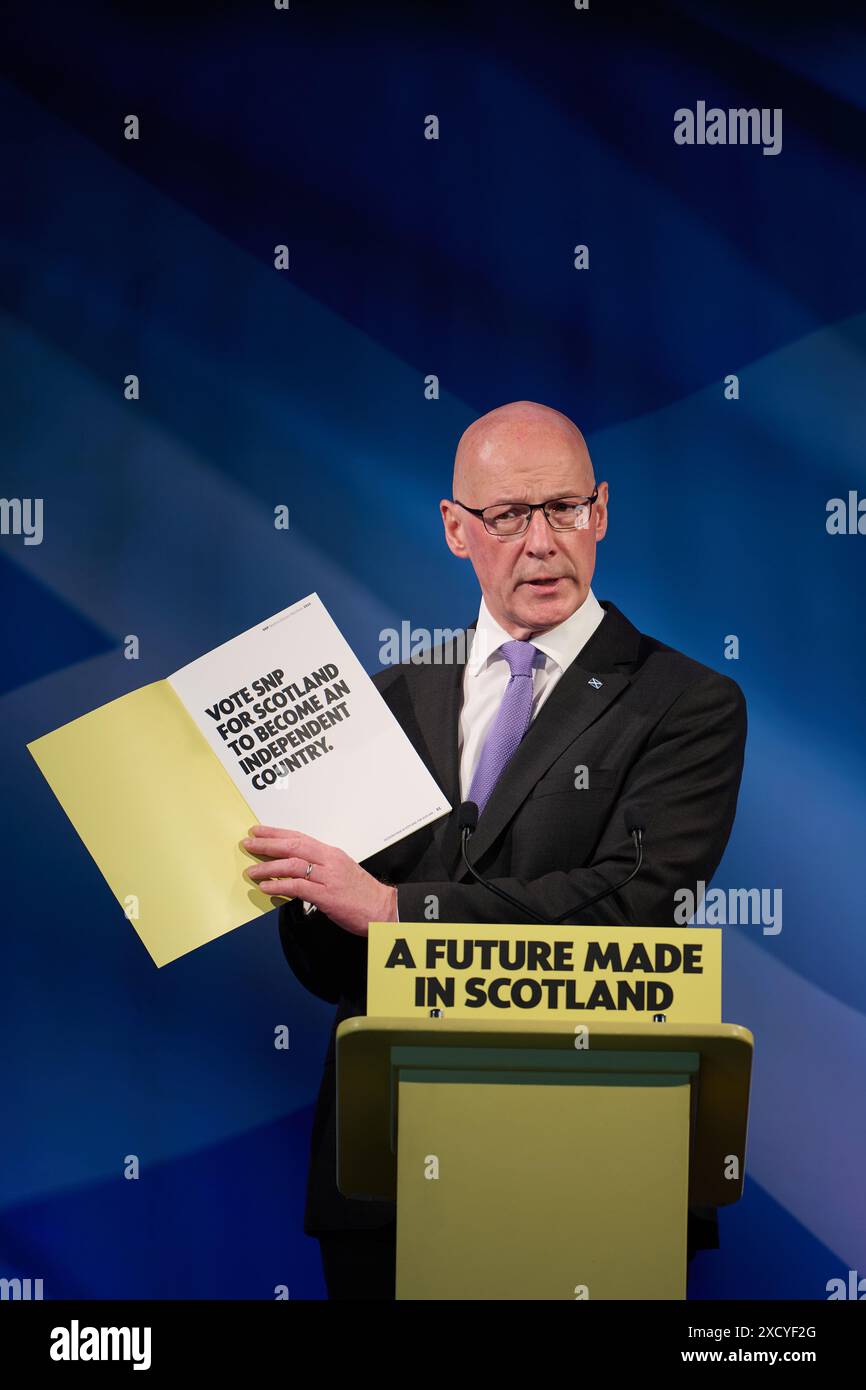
[[561, 643]]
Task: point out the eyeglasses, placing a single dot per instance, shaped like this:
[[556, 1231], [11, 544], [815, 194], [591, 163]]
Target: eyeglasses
[[513, 518]]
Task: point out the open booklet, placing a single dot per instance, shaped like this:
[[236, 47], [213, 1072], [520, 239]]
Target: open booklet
[[280, 726]]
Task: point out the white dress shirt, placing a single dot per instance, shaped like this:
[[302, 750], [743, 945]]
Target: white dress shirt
[[487, 674]]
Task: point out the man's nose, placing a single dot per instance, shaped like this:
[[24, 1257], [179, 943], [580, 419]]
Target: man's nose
[[539, 535]]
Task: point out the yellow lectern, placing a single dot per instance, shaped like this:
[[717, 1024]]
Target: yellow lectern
[[537, 1158]]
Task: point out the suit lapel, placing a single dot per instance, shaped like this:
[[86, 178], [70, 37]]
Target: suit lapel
[[592, 682], [571, 708], [596, 678]]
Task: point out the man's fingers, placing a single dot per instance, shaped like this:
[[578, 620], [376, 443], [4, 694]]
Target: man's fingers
[[277, 868], [293, 841], [295, 888], [273, 847], [269, 847]]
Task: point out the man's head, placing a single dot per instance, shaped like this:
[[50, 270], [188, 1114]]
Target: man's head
[[524, 452]]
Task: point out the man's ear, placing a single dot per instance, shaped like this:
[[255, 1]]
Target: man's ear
[[453, 523], [600, 510]]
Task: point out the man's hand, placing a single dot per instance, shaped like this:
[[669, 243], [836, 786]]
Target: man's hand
[[337, 885]]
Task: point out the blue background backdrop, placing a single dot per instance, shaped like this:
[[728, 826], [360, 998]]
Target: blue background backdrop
[[306, 387]]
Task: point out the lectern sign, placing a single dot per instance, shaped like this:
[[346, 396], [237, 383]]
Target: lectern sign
[[524, 972]]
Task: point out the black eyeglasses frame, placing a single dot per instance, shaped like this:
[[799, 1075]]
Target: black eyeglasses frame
[[533, 507]]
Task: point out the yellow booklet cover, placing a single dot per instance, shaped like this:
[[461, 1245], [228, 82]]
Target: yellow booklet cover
[[280, 726]]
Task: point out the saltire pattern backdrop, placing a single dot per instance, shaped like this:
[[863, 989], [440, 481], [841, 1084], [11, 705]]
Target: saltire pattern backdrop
[[709, 341]]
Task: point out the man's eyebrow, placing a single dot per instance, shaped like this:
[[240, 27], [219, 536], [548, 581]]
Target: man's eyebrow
[[555, 497]]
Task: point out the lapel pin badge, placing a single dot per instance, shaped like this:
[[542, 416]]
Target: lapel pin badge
[[595, 683]]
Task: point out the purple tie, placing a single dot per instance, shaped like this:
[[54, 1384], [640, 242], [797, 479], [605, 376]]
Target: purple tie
[[511, 722]]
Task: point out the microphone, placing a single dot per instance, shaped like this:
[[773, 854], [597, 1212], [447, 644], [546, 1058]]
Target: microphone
[[468, 820], [636, 832]]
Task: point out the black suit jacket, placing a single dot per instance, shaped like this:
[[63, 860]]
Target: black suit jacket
[[662, 738]]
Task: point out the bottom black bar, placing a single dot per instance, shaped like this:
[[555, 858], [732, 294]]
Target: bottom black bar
[[72, 1338]]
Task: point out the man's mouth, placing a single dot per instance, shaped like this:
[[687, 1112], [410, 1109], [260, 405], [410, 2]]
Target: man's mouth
[[545, 584]]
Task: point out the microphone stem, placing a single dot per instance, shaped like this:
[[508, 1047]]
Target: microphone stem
[[637, 838]]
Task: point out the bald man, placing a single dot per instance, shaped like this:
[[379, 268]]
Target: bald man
[[564, 724]]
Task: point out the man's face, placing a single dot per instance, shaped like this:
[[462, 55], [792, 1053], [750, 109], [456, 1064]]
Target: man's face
[[524, 464]]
